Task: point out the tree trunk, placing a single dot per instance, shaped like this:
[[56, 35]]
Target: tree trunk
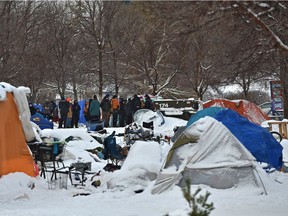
[[100, 72], [284, 80]]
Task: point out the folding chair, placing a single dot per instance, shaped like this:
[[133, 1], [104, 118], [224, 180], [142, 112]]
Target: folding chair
[[45, 155], [79, 169], [113, 152]]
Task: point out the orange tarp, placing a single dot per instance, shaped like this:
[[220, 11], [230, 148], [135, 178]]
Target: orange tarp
[[245, 108], [14, 152]]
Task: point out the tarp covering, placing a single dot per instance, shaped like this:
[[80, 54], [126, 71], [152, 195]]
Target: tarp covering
[[258, 140], [210, 111], [42, 122], [207, 153], [245, 108], [15, 155], [82, 117]]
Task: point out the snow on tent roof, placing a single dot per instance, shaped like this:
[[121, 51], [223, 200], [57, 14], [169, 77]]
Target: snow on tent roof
[[245, 108], [258, 140], [207, 153]]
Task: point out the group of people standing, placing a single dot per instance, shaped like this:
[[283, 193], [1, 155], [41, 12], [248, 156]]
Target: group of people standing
[[66, 113], [115, 111]]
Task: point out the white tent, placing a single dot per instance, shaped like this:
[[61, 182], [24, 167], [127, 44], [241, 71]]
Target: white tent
[[208, 153]]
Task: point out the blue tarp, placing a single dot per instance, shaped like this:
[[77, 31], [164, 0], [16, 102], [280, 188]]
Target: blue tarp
[[82, 118], [42, 122], [39, 106], [258, 140], [210, 111]]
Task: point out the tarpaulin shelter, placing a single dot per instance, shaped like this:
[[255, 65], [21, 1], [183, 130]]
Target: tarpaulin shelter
[[42, 122], [208, 153], [258, 140], [245, 108], [15, 131], [219, 151]]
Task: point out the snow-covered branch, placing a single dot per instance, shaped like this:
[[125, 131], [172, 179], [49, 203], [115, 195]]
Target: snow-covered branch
[[279, 43]]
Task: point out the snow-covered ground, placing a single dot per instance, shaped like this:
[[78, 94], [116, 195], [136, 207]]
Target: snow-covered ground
[[127, 192]]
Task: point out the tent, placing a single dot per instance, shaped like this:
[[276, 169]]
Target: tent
[[208, 153], [147, 116], [42, 122], [210, 111], [15, 130], [245, 108], [258, 140]]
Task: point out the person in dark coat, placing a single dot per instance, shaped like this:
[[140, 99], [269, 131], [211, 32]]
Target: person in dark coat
[[47, 111], [75, 114], [122, 115], [128, 111], [149, 103], [53, 106], [106, 107], [63, 110], [136, 104], [32, 109]]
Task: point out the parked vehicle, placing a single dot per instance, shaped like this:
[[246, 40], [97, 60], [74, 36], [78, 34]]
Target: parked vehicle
[[179, 108], [267, 108]]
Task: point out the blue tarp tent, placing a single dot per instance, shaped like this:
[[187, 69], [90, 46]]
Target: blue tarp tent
[[258, 140], [42, 122], [210, 111]]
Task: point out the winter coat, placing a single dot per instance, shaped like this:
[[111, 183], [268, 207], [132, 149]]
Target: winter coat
[[64, 107], [114, 104], [76, 110], [149, 104], [46, 107], [105, 105], [94, 108], [136, 104]]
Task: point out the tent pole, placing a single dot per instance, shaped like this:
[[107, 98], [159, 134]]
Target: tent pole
[[265, 191]]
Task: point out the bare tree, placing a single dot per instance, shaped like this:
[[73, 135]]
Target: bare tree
[[95, 18], [61, 46], [271, 19]]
